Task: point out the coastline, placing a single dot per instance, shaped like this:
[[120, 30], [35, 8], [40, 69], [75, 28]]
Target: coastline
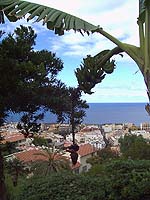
[[103, 113]]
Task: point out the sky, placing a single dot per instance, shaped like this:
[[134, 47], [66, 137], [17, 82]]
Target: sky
[[118, 18]]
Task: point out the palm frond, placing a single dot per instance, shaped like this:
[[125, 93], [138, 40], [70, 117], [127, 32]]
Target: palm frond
[[41, 154], [142, 10], [54, 19]]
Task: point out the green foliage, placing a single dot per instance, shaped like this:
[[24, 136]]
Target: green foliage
[[76, 107], [91, 71], [116, 180], [107, 154], [8, 148], [28, 125], [97, 169], [72, 108], [39, 141], [52, 162], [89, 74], [58, 22], [12, 191], [137, 184], [63, 187], [15, 168], [103, 155], [76, 110], [128, 179], [94, 160], [142, 10], [27, 82], [135, 147]]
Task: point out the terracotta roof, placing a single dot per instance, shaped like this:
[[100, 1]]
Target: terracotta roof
[[29, 155], [89, 129], [13, 138], [32, 155], [86, 149]]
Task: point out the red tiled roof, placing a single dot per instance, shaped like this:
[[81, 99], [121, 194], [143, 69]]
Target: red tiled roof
[[86, 149], [13, 138], [32, 155], [89, 129]]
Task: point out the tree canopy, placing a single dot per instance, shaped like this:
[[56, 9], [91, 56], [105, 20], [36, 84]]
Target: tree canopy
[[117, 180], [135, 147], [60, 22], [27, 82]]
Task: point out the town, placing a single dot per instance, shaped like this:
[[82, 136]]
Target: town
[[89, 137]]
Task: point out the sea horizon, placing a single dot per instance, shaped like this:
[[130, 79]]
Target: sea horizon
[[105, 113], [117, 112]]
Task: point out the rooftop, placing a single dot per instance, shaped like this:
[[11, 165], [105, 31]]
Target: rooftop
[[86, 149]]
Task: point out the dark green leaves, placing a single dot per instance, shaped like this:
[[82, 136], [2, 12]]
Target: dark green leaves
[[28, 78], [142, 10], [54, 19], [117, 180], [142, 7], [92, 71]]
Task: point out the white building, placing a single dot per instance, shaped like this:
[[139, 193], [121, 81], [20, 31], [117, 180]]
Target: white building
[[85, 152], [144, 133], [88, 135]]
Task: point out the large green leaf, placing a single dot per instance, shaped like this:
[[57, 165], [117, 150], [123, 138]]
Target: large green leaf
[[142, 7], [60, 21], [55, 19], [7, 2]]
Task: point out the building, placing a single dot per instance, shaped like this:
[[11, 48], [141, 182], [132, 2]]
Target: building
[[145, 126], [85, 152], [17, 139], [143, 133], [89, 135]]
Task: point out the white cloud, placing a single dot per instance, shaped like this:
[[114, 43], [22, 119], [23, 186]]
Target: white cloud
[[112, 16], [116, 21], [116, 95], [119, 18]]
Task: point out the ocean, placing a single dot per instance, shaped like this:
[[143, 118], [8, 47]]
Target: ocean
[[102, 113]]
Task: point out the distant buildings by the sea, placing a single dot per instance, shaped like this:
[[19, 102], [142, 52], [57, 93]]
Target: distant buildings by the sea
[[89, 137]]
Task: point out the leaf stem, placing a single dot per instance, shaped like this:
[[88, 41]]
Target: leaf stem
[[141, 34], [147, 37]]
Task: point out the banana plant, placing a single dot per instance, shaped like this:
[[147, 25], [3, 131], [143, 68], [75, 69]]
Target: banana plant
[[60, 22]]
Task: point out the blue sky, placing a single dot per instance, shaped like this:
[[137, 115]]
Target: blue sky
[[119, 18]]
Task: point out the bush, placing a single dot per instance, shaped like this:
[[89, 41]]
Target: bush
[[128, 179], [63, 187], [117, 180]]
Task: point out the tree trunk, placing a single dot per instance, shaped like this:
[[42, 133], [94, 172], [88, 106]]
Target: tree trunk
[[147, 83], [15, 179], [107, 143], [73, 131], [72, 118], [3, 192]]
